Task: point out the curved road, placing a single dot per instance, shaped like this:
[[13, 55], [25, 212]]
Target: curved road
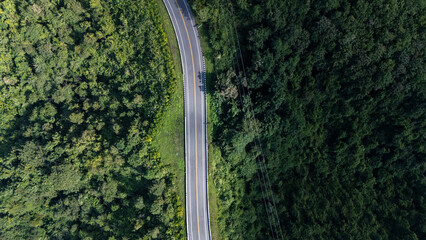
[[197, 210]]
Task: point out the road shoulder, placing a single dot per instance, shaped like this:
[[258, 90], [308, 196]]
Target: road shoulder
[[170, 138]]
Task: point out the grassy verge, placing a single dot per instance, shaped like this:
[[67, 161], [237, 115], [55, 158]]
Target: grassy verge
[[173, 44], [169, 138], [214, 156], [213, 152]]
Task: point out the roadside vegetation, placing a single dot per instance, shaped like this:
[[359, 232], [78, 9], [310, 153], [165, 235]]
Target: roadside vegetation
[[338, 93], [169, 137], [213, 150], [83, 89]]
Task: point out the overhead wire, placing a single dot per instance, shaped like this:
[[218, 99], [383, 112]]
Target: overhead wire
[[262, 164], [235, 66]]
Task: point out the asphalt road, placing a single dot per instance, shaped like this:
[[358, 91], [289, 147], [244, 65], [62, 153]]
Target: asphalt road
[[197, 211]]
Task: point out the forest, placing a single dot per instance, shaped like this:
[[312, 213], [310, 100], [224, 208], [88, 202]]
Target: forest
[[83, 85], [328, 100]]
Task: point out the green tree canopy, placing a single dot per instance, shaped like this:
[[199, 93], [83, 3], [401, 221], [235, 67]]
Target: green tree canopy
[[82, 85], [338, 92]]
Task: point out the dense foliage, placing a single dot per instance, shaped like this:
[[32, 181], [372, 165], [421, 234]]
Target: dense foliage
[[83, 83], [338, 91]]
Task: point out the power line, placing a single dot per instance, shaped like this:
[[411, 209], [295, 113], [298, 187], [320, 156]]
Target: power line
[[258, 175], [261, 163], [242, 104]]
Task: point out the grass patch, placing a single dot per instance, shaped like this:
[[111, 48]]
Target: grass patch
[[169, 138], [214, 154], [173, 44]]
